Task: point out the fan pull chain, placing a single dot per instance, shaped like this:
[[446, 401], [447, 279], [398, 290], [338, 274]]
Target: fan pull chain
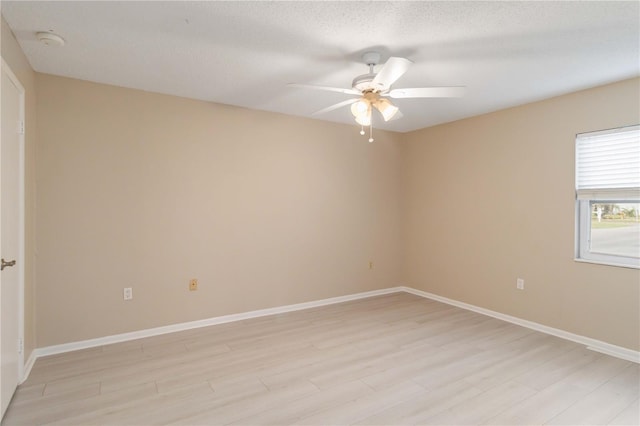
[[370, 133], [362, 130]]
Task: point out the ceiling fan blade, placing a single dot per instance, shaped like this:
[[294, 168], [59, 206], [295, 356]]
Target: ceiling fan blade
[[428, 92], [325, 88], [391, 71], [336, 106]]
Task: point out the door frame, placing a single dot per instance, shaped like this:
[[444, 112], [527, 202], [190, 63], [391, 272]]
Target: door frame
[[21, 219]]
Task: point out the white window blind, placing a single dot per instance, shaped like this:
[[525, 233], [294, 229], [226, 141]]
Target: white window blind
[[608, 164]]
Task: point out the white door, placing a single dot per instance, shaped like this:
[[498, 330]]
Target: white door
[[10, 234]]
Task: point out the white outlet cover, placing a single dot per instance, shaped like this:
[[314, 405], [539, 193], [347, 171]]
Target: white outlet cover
[[127, 293]]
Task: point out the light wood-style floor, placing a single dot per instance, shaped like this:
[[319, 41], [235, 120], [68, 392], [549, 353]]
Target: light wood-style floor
[[393, 359]]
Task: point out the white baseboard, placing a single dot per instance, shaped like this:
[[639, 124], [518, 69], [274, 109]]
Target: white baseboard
[[596, 345], [117, 338], [26, 369], [593, 344]]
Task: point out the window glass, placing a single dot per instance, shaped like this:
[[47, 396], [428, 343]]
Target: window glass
[[615, 228]]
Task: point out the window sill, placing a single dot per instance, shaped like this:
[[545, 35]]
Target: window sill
[[607, 263]]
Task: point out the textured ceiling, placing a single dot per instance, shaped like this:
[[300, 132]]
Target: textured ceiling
[[244, 53]]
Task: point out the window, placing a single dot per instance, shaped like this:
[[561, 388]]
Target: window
[[608, 197]]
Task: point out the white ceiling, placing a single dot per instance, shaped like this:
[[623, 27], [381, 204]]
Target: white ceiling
[[244, 53]]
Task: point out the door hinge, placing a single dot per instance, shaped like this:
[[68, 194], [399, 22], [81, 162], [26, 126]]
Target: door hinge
[[21, 127], [20, 346]]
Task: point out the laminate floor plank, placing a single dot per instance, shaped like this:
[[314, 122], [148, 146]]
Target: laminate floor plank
[[419, 408], [554, 370], [431, 362], [309, 405], [251, 406], [508, 368], [482, 407], [546, 404], [603, 404], [385, 360], [156, 408], [359, 409], [66, 411], [47, 407], [327, 362], [327, 378], [628, 416]]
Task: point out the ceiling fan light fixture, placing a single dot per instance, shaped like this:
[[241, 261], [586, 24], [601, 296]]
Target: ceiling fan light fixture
[[360, 107], [361, 110], [364, 119], [386, 108]]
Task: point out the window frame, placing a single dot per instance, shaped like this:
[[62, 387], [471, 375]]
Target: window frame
[[583, 218], [583, 240]]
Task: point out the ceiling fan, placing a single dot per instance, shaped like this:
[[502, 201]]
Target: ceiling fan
[[373, 89]]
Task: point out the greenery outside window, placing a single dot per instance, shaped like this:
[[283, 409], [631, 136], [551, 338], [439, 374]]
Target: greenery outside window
[[608, 197]]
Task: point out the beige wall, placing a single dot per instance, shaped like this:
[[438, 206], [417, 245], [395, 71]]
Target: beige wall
[[147, 191], [491, 198], [14, 57]]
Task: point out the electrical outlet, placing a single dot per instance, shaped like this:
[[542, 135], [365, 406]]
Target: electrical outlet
[[193, 284], [520, 284], [370, 265], [127, 294]]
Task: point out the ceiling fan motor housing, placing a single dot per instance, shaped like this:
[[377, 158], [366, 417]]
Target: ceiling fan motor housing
[[364, 83]]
